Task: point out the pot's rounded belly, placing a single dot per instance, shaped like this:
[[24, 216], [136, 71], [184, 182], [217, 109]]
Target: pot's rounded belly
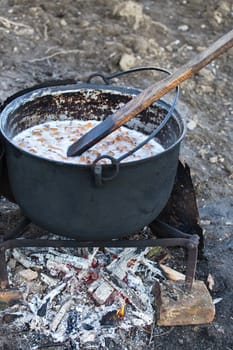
[[64, 199]]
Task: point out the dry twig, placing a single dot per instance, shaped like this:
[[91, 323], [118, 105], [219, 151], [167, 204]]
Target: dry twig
[[152, 332], [57, 53], [164, 333], [17, 27]]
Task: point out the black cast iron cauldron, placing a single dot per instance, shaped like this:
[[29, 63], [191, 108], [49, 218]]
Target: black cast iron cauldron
[[1, 158], [89, 202]]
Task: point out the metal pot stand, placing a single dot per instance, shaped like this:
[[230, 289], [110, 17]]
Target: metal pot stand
[[164, 227]]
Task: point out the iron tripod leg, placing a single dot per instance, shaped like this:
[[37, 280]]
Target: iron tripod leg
[[4, 282], [16, 232], [190, 242], [192, 248]]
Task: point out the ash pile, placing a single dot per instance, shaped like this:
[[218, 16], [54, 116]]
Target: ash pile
[[93, 300]]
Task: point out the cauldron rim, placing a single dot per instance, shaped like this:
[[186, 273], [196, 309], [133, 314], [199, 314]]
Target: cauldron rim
[[14, 103]]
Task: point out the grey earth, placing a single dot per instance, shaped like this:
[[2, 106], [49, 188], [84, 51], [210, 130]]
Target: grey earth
[[48, 40]]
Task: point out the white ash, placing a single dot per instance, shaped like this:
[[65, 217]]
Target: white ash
[[50, 281], [65, 308], [23, 259], [76, 298], [65, 259], [28, 274], [119, 266]]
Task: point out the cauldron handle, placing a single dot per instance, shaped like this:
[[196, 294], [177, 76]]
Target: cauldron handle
[[107, 78], [97, 169]]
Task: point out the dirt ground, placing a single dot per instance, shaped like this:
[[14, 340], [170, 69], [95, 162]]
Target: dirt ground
[[46, 40]]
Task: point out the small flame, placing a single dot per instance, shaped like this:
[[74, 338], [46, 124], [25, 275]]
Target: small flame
[[120, 313]]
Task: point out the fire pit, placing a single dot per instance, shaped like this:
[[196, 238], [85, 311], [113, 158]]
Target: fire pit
[[104, 281], [176, 215]]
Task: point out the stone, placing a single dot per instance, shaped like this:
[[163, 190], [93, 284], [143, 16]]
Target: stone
[[63, 22], [224, 6], [176, 306], [127, 61], [213, 159], [207, 74], [191, 124], [84, 24], [141, 46], [183, 27], [210, 281], [132, 11], [218, 17]]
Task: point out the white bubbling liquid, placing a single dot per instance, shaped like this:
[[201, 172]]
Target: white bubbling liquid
[[51, 140]]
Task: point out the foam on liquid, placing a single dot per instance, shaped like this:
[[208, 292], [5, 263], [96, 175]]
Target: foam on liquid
[[51, 140]]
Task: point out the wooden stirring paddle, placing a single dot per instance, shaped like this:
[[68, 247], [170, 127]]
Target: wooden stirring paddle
[[150, 95]]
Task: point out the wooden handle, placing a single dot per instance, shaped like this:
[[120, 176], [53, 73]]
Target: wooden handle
[[150, 95]]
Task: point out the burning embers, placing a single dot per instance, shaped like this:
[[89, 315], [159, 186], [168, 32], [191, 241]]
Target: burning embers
[[85, 300], [100, 298], [120, 313]]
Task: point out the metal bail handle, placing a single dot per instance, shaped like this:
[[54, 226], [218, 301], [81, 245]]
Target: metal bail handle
[[107, 78], [98, 170]]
